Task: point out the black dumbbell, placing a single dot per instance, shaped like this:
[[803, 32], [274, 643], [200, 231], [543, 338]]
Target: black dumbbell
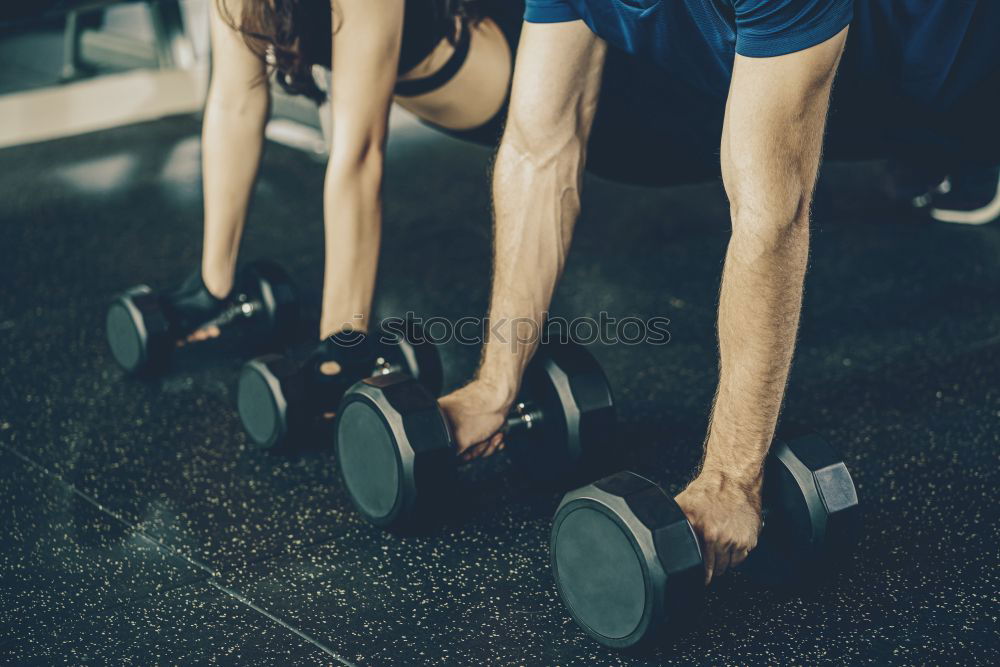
[[280, 396], [397, 455], [144, 327], [627, 562]]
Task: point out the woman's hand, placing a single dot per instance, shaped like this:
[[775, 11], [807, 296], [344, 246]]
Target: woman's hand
[[476, 413], [725, 514]]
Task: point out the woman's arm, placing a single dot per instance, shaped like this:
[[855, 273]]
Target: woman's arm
[[366, 46], [232, 140]]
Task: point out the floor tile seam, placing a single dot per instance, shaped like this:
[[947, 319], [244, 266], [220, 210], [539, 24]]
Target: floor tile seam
[[94, 502], [212, 578], [235, 595]]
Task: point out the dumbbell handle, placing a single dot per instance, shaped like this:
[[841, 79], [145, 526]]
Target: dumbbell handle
[[523, 417], [384, 367], [242, 307]]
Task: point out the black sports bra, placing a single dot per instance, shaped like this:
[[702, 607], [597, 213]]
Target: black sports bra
[[425, 24], [415, 87]]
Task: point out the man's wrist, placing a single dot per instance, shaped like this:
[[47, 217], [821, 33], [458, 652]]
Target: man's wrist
[[734, 456], [501, 369], [748, 476], [739, 488], [498, 390]]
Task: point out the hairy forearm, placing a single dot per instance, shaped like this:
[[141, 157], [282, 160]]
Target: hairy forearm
[[769, 174], [353, 227], [536, 202], [770, 153], [759, 307], [232, 142]]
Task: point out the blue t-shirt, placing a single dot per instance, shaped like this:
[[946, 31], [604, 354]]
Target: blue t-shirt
[[697, 38], [931, 51]]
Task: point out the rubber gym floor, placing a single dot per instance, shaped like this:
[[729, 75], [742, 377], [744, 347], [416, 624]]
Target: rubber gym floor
[[138, 527]]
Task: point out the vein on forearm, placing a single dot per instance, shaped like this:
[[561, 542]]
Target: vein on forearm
[[536, 202]]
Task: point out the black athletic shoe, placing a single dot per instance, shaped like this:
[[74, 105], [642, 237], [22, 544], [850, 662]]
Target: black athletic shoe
[[969, 197]]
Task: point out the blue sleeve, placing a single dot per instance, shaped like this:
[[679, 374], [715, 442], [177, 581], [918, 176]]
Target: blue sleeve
[[767, 28], [549, 11]]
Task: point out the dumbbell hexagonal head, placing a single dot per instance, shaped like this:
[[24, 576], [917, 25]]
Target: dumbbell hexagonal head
[[391, 440], [809, 490], [625, 558]]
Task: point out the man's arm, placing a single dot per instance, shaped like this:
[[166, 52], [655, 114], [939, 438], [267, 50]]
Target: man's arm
[[771, 143], [536, 193]]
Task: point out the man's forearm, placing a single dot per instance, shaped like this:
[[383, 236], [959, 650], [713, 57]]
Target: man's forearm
[[536, 203], [232, 141], [771, 144], [759, 307]]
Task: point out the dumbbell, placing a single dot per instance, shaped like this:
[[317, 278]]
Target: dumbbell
[[279, 396], [145, 327], [397, 454], [628, 564]]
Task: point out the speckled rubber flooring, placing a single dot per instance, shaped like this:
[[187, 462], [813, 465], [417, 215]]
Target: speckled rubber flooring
[[138, 527]]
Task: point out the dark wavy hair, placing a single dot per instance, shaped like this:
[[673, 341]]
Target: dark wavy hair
[[293, 35]]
